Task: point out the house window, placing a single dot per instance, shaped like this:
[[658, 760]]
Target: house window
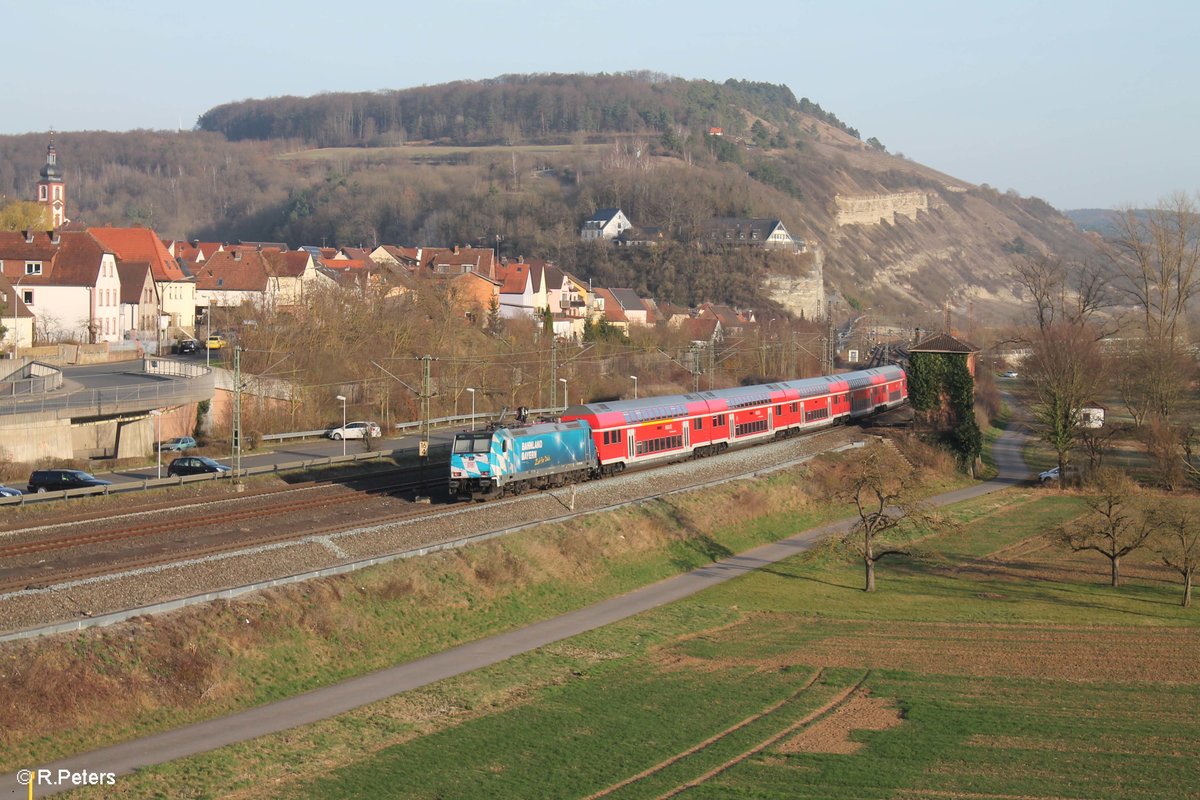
[[33, 268], [28, 298], [41, 193], [58, 193]]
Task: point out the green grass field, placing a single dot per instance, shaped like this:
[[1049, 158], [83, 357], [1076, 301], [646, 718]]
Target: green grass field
[[989, 667]]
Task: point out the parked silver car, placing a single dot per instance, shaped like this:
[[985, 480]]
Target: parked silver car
[[355, 430]]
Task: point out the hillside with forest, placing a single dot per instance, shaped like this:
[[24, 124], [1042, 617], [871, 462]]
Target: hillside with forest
[[518, 162]]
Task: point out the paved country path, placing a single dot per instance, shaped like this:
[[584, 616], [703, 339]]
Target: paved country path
[[330, 701]]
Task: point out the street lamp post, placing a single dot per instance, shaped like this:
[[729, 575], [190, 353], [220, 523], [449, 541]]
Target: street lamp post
[[472, 391], [342, 397], [566, 400], [15, 330], [157, 414], [208, 321], [634, 386]]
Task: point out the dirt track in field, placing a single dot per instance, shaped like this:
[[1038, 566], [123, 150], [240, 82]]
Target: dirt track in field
[[1157, 655], [862, 712]]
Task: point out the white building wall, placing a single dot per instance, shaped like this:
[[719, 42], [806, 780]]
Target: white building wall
[[179, 302]]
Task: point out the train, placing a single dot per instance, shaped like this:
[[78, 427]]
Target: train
[[593, 440]]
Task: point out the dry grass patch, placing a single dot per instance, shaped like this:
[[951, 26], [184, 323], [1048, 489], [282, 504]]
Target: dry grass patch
[[1054, 653], [1038, 558], [1108, 745], [831, 734]]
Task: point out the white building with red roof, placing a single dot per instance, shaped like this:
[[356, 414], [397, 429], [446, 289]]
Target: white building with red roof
[[176, 289], [69, 282]]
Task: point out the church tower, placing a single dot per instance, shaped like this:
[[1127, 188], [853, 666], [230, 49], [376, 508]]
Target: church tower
[[51, 191]]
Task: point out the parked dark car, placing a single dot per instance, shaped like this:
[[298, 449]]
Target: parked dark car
[[56, 480], [8, 491], [196, 465], [189, 346]]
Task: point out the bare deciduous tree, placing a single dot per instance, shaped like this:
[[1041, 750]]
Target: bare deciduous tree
[[1157, 255], [1114, 526], [878, 482], [1064, 366], [1096, 442], [1178, 539]]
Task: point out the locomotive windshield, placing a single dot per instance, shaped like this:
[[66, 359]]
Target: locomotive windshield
[[469, 443]]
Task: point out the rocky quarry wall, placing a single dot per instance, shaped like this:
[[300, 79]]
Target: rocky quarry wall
[[802, 295], [872, 209]]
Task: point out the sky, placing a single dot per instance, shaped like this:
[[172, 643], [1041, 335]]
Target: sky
[[1083, 104]]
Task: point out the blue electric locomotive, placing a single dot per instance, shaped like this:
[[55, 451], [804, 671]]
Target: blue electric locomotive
[[511, 460]]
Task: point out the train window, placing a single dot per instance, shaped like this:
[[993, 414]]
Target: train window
[[794, 409], [504, 446], [606, 441], [473, 444], [779, 411], [697, 424]]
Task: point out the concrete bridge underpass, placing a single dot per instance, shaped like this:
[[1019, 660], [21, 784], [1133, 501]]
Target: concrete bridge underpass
[[99, 410]]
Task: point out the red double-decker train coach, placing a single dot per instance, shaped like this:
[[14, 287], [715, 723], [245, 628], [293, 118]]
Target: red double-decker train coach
[[703, 423]]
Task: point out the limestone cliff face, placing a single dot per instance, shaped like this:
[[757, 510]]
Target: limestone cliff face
[[872, 209], [802, 295]]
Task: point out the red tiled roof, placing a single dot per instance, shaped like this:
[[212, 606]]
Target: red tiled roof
[[291, 264], [73, 261], [516, 278], [15, 251], [612, 309], [342, 264], [133, 280], [701, 328], [140, 244], [237, 269], [459, 259], [402, 253], [188, 252], [943, 343]]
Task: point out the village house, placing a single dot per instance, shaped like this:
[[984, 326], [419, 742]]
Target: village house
[[67, 280], [140, 313], [606, 224], [757, 232], [176, 289], [265, 277], [633, 307]]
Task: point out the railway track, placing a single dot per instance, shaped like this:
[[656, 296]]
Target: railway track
[[221, 525], [74, 559], [228, 544]]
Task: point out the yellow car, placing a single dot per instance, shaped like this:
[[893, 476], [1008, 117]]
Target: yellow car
[[215, 342]]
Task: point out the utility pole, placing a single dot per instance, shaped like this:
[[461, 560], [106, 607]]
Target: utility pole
[[237, 417], [830, 340], [553, 372], [712, 366], [426, 397]]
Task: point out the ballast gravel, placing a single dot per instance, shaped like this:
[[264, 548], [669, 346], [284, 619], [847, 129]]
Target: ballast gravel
[[363, 536]]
